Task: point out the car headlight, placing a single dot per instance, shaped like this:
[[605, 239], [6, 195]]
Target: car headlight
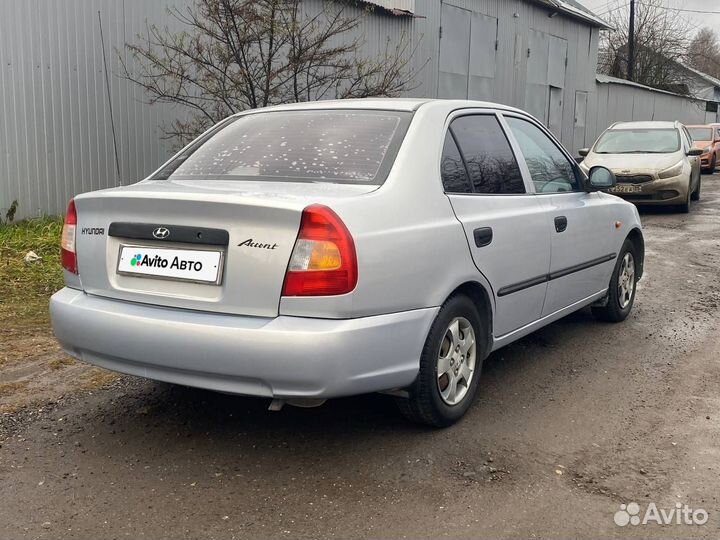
[[706, 150], [675, 170]]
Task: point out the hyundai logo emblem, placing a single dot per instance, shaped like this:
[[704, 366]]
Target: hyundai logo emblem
[[161, 233]]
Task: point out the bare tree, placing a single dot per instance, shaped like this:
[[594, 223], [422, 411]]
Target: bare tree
[[234, 55], [704, 52], [661, 39]]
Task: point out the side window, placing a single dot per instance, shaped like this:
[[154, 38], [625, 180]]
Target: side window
[[551, 171], [686, 138], [490, 162], [454, 175]]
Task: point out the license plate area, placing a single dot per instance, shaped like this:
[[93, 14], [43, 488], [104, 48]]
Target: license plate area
[[625, 189], [197, 265]]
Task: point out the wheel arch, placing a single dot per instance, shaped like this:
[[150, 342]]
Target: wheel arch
[[482, 300], [636, 237]]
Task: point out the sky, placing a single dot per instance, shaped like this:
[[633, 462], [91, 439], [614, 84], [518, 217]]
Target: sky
[[696, 20]]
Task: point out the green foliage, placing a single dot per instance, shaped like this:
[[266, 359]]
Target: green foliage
[[25, 287]]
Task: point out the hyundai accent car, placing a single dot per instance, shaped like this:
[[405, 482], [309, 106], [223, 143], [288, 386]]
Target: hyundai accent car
[[311, 251], [654, 162]]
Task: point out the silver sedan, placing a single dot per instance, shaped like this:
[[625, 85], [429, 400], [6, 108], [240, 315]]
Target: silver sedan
[[311, 251]]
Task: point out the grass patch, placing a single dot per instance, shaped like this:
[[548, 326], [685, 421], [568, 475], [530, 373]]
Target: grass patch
[[97, 378], [58, 363], [25, 287], [6, 388]]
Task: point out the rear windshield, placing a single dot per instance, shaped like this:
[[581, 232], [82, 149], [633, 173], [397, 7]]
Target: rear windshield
[[701, 134], [638, 141], [305, 146]]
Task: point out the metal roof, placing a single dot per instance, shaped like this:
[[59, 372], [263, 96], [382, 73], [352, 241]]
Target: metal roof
[[394, 7], [709, 78], [575, 9], [607, 79], [572, 8]]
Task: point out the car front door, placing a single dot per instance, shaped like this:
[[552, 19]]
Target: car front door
[[505, 225], [581, 223]]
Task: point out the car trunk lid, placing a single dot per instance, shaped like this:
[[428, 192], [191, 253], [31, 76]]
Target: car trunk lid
[[246, 229]]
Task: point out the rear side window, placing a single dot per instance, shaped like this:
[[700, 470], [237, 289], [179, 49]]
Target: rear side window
[[305, 146], [490, 162], [454, 174]]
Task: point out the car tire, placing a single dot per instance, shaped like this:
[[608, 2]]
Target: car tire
[[441, 399], [685, 207], [623, 285], [713, 164], [696, 194]]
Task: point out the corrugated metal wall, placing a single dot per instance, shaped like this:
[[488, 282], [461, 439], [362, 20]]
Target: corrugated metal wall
[[620, 102], [56, 137], [533, 52], [56, 131]]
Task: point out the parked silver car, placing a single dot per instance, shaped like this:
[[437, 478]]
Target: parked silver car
[[311, 251], [655, 162]]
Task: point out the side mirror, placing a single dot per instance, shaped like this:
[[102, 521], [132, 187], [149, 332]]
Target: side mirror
[[694, 152], [584, 151], [601, 178]]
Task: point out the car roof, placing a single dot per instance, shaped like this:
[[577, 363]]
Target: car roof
[[392, 104], [700, 125], [656, 124]]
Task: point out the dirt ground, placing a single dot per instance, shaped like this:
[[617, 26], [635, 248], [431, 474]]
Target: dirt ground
[[571, 422]]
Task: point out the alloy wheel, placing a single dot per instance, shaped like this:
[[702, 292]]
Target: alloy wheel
[[626, 280], [456, 361]]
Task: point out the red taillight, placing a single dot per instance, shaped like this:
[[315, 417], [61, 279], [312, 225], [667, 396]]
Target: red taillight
[[67, 246], [323, 261]]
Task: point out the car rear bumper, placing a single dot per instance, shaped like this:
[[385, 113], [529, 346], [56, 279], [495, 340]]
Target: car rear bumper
[[281, 357]]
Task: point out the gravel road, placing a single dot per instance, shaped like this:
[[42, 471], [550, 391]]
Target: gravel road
[[571, 422]]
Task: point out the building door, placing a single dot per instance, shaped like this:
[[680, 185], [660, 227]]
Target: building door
[[467, 54], [557, 66], [454, 52], [536, 93], [483, 55], [581, 99], [555, 111], [546, 68]]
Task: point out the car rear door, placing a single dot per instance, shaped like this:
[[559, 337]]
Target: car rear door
[[505, 226], [581, 223]]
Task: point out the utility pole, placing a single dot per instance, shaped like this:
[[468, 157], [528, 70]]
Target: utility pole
[[631, 43]]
